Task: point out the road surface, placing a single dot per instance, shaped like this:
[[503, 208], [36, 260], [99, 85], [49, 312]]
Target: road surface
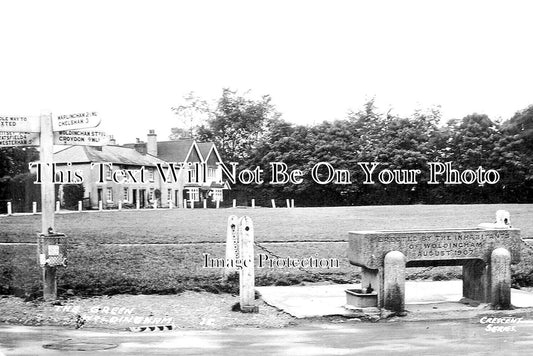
[[472, 337]]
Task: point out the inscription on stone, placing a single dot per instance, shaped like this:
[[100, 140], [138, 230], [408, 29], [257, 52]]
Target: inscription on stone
[[367, 248], [445, 245]]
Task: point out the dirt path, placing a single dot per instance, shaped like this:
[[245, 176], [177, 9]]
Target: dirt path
[[187, 310]]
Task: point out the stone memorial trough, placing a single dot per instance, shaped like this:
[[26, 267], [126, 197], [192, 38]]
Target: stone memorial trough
[[486, 254]]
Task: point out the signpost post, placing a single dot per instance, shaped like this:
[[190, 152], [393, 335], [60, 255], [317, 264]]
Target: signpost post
[[45, 131], [47, 201]]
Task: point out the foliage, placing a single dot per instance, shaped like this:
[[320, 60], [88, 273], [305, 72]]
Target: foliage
[[191, 115], [14, 160], [72, 194], [252, 133]]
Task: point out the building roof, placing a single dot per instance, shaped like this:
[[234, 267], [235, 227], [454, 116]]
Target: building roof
[[174, 151], [205, 148], [111, 154]]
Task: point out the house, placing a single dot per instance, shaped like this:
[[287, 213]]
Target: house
[[140, 172]]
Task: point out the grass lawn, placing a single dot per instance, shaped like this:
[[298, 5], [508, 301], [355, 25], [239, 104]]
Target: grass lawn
[[98, 264]]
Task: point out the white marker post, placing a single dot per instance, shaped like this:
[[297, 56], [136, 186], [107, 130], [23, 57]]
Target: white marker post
[[34, 207], [247, 276], [47, 201], [119, 205], [273, 203], [205, 204], [170, 203], [232, 244], [184, 203], [57, 206], [288, 203], [9, 209], [100, 205], [292, 203], [79, 206], [253, 203], [234, 203], [218, 204]]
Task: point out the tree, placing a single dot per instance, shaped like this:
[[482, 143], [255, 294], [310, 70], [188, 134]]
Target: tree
[[16, 183], [238, 124], [72, 194], [14, 160], [194, 113]]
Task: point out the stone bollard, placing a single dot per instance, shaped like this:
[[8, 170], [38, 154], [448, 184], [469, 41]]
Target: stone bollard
[[9, 208], [120, 205], [218, 204], [288, 203], [155, 204], [57, 207], [192, 204], [205, 204], [292, 203], [170, 203], [394, 282], [500, 284], [232, 244], [100, 205], [253, 203], [247, 276], [137, 204], [34, 208], [184, 203], [80, 206], [234, 203], [273, 203]]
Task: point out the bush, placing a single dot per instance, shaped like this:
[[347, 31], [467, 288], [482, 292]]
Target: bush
[[72, 193]]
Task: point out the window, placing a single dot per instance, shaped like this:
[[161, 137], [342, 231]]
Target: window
[[109, 195], [169, 195], [192, 174], [107, 173], [194, 194], [211, 173], [126, 195], [217, 194], [151, 174], [151, 196]]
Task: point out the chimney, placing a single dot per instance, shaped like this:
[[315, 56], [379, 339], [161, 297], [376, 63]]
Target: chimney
[[151, 144], [112, 140]]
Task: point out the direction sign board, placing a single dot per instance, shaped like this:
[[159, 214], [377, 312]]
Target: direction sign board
[[78, 121], [81, 137], [20, 124], [10, 139]]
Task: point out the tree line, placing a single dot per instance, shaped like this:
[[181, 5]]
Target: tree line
[[253, 133]]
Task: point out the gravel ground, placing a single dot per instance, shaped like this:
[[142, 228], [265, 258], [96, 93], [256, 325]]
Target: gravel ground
[[188, 310]]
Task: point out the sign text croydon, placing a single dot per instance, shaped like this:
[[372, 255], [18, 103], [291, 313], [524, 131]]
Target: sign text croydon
[[81, 137]]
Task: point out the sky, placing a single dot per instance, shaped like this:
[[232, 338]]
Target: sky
[[131, 61]]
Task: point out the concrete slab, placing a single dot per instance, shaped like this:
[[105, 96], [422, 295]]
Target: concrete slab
[[328, 300]]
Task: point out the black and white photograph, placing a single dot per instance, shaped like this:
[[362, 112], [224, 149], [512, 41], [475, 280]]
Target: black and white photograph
[[291, 177]]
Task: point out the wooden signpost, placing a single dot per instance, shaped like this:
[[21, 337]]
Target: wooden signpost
[[12, 139], [45, 131], [20, 123]]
